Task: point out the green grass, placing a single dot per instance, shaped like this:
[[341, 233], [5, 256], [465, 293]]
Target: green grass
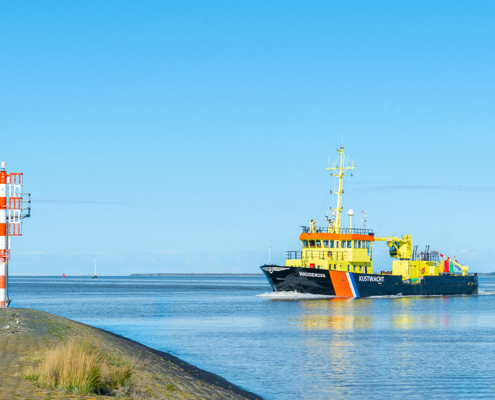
[[81, 367]]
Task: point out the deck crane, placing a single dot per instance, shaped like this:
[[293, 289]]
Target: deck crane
[[398, 247]]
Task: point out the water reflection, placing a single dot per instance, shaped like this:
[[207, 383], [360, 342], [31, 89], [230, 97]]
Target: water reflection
[[347, 340], [335, 314]]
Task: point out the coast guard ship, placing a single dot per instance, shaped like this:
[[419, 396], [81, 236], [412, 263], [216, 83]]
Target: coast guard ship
[[337, 261]]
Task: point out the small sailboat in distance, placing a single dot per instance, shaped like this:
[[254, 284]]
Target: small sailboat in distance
[[95, 276]]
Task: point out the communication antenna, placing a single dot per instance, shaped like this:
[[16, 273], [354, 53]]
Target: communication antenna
[[337, 171], [365, 224]]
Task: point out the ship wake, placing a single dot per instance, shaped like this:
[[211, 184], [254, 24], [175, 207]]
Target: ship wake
[[293, 296], [486, 292]]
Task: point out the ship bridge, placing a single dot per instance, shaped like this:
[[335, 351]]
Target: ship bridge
[[343, 249]]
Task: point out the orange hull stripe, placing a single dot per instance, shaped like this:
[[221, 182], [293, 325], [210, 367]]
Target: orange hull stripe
[[340, 284], [2, 282], [335, 236], [3, 228]]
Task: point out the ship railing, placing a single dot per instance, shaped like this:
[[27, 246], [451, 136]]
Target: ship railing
[[293, 255], [356, 231], [317, 255], [433, 256], [325, 255]]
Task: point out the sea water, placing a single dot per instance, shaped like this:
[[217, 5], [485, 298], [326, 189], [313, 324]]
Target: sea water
[[291, 345]]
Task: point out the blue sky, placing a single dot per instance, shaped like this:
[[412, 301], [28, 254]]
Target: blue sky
[[184, 136]]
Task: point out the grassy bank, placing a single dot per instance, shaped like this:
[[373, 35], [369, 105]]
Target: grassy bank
[[46, 356], [81, 367]]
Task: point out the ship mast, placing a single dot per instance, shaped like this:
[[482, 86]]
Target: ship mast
[[338, 172]]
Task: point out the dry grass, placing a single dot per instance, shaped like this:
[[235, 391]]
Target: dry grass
[[81, 367]]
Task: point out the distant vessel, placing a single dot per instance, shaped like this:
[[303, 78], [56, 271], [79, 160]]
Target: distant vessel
[[63, 275], [338, 261], [95, 276]]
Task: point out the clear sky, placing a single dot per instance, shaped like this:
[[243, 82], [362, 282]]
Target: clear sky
[[184, 136]]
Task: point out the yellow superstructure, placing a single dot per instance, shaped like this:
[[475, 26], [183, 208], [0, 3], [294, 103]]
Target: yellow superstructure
[[350, 250], [333, 247]]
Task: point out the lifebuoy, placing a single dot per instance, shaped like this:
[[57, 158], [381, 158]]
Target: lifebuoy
[[329, 254], [423, 271]]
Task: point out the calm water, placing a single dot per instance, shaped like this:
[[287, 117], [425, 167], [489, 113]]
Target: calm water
[[291, 346]]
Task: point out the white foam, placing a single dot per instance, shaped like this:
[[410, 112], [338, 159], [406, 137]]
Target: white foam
[[391, 296], [293, 296], [487, 293]]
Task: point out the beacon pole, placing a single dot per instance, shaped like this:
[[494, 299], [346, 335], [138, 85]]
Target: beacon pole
[[4, 248], [14, 206]]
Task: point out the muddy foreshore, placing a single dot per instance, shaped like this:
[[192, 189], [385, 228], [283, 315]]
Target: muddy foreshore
[[24, 332]]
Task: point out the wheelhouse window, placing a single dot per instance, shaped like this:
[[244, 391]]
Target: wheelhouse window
[[331, 244], [305, 243], [318, 243], [349, 268], [344, 244], [368, 244], [337, 244], [325, 243], [311, 243], [349, 244]]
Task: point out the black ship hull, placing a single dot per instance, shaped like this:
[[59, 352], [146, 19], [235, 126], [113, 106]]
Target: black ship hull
[[350, 284]]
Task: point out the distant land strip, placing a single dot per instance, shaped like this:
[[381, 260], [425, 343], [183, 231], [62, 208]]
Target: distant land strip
[[196, 274]]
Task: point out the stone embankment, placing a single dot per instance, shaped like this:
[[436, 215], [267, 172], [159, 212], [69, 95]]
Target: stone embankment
[[24, 332]]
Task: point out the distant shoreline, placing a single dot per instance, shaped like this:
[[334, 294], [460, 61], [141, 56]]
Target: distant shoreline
[[196, 274]]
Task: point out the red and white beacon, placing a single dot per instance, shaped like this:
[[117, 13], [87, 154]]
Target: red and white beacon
[[14, 207]]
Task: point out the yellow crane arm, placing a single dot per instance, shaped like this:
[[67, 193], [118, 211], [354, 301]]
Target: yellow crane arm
[[399, 247]]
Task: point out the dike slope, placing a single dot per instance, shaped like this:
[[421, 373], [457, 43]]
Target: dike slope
[[157, 372]]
